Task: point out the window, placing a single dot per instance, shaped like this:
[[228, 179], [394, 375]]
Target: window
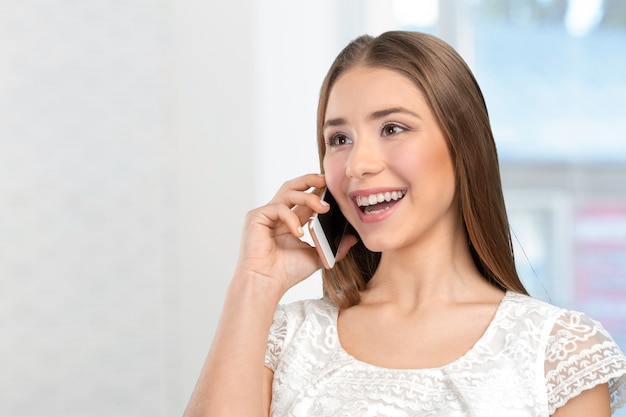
[[553, 76]]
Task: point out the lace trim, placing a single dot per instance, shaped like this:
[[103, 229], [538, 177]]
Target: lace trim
[[581, 355], [601, 364], [617, 390]]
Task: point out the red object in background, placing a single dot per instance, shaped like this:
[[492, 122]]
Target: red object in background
[[600, 264]]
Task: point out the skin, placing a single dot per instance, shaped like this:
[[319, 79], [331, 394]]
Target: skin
[[272, 259], [426, 288], [382, 135]]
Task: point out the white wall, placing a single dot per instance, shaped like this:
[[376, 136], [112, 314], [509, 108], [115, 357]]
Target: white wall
[[87, 216], [134, 136], [293, 46], [212, 108]]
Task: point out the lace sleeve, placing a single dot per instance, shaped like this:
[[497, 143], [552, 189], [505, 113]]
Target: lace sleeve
[[581, 354], [276, 338]]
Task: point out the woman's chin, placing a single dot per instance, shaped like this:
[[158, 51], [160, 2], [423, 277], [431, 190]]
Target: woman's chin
[[376, 244]]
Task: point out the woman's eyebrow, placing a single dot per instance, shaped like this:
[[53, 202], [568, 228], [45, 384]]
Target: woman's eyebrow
[[386, 112], [334, 122], [379, 114]]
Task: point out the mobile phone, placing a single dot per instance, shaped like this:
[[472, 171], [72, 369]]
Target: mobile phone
[[327, 229]]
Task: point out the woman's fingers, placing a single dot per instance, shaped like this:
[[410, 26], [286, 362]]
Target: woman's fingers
[[295, 195], [313, 205], [273, 216], [302, 183], [292, 192], [294, 199]]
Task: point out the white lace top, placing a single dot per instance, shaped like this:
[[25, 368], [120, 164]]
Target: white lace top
[[531, 360]]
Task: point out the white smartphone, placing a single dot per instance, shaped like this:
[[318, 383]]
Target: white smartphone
[[327, 229]]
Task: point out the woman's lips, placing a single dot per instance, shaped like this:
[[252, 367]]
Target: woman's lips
[[376, 205], [378, 202]]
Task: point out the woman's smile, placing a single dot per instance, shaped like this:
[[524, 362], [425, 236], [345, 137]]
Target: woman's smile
[[376, 204]]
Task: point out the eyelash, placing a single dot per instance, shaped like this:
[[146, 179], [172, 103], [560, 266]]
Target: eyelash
[[394, 126], [333, 139]]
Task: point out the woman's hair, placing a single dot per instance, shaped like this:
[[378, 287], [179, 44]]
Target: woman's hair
[[457, 103]]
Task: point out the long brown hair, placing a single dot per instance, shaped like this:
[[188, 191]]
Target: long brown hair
[[455, 98]]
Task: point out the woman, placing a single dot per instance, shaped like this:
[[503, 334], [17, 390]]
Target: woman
[[424, 314]]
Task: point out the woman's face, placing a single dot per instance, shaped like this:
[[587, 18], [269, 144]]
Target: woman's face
[[387, 162]]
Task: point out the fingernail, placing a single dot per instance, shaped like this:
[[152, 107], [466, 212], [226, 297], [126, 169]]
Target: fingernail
[[300, 231], [324, 203]]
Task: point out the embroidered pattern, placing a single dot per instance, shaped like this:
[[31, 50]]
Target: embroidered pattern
[[531, 360]]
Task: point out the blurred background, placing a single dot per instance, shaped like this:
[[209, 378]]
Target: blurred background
[[135, 135]]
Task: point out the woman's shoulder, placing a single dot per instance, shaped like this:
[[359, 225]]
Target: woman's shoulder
[[574, 351], [538, 313], [522, 316], [297, 323], [522, 302], [302, 309], [310, 313], [578, 354], [530, 311]]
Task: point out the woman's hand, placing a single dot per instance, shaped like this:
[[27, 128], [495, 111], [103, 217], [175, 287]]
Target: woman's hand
[[272, 259], [271, 247]]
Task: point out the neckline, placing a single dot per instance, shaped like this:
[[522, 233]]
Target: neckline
[[476, 346]]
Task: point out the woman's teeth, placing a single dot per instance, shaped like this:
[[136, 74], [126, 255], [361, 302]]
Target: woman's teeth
[[373, 199]]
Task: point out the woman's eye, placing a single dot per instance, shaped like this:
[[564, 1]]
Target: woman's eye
[[392, 129], [338, 140]]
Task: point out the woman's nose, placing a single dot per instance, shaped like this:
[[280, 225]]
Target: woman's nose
[[365, 159]]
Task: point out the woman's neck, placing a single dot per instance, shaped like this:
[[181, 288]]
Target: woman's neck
[[417, 277]]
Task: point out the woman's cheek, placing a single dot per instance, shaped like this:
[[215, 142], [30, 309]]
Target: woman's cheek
[[334, 171]]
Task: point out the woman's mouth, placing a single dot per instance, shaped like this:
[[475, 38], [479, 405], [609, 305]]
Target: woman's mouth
[[378, 202]]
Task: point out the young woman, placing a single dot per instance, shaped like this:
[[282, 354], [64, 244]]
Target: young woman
[[424, 315]]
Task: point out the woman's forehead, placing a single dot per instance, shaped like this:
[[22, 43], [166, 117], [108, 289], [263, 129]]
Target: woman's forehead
[[366, 90]]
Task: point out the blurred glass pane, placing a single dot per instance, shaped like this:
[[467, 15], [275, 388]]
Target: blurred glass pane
[[553, 73], [554, 76]]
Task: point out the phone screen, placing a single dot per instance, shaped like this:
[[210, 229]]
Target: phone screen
[[333, 222]]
